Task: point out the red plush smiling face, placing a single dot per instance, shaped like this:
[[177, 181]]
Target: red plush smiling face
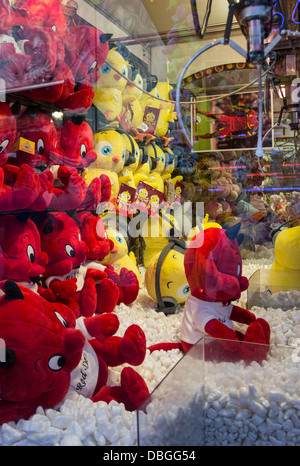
[[76, 145], [41, 131], [42, 348], [61, 240], [21, 258]]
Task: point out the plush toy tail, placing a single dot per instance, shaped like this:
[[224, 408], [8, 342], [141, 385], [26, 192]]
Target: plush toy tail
[[165, 347]]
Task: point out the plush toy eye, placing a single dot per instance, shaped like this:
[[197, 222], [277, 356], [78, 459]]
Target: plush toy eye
[[70, 250], [105, 69], [156, 93], [83, 150], [61, 319], [53, 27], [123, 157], [124, 71], [183, 291], [92, 67], [56, 362], [238, 269], [137, 153], [40, 146], [30, 253], [119, 238], [104, 148], [3, 145], [139, 81]]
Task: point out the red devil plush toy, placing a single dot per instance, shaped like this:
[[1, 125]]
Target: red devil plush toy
[[21, 258], [77, 153], [213, 268], [98, 246], [66, 277], [45, 355]]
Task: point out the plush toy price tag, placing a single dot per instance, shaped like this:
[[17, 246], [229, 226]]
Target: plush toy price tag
[[179, 187], [147, 199], [150, 119], [25, 145], [126, 118], [125, 198]]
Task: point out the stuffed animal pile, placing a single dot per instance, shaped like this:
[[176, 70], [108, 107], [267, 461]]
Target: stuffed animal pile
[[55, 281]]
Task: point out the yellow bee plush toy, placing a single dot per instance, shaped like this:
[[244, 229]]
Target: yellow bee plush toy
[[156, 232], [119, 256], [161, 100], [110, 150], [110, 85], [165, 277], [132, 95], [155, 178], [146, 164], [285, 270], [126, 175]]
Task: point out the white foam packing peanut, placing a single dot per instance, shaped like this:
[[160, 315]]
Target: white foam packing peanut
[[254, 405]]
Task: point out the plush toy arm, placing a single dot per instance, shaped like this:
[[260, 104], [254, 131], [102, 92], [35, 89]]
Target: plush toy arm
[[95, 274], [64, 288], [241, 315], [244, 283], [128, 286], [217, 329], [98, 326]]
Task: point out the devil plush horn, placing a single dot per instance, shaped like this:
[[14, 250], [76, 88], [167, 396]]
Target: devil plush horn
[[231, 232], [10, 359], [104, 38], [12, 291]]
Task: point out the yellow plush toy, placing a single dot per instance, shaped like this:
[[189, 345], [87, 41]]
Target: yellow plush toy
[[155, 178], [167, 113], [126, 175], [146, 164], [110, 149], [165, 277], [170, 166], [132, 95], [285, 270], [119, 256], [156, 232], [110, 85]]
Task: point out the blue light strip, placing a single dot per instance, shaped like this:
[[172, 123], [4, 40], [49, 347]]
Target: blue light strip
[[293, 15]]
